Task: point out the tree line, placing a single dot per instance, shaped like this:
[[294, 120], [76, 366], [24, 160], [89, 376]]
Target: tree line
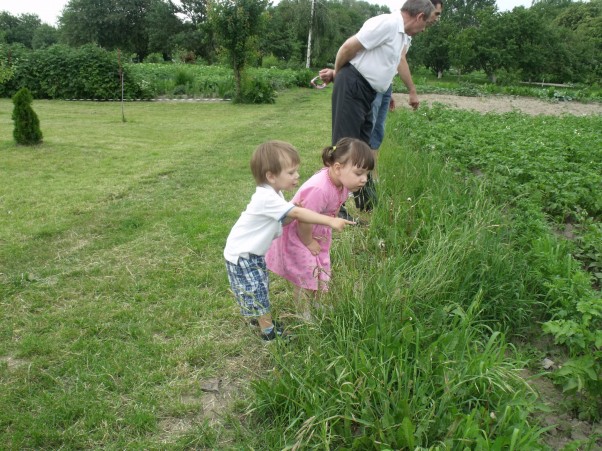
[[553, 40]]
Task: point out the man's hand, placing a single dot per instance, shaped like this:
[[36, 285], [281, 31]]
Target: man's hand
[[413, 101], [392, 104], [327, 75]]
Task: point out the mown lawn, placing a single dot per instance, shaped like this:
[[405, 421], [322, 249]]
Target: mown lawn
[[114, 301]]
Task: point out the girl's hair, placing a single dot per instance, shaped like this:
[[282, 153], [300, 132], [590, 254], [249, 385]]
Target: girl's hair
[[272, 156], [349, 149]]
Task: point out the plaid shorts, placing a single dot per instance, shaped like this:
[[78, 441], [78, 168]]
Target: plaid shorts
[[250, 285]]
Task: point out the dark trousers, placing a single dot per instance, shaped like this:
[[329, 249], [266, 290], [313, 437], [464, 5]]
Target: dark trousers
[[352, 99]]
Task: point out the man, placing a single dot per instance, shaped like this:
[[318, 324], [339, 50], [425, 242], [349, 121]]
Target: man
[[366, 64], [383, 102]]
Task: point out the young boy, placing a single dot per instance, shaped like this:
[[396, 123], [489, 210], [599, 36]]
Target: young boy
[[274, 165]]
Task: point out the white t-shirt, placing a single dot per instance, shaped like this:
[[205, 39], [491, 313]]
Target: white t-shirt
[[384, 39], [258, 225]]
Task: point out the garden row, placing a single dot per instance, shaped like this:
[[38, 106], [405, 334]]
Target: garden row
[[546, 172]]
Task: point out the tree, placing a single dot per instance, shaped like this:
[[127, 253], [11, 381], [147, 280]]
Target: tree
[[549, 9], [280, 38], [6, 69], [194, 10], [450, 42], [432, 49], [238, 22], [533, 43], [462, 51], [465, 13], [495, 47], [44, 36], [162, 27], [581, 26], [19, 29], [334, 22], [112, 24], [27, 125]]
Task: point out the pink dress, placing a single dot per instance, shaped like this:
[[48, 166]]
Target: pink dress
[[288, 256]]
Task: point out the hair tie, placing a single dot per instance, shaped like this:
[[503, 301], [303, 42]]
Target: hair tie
[[334, 148]]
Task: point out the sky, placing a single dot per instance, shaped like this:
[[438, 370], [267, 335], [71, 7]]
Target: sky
[[49, 10]]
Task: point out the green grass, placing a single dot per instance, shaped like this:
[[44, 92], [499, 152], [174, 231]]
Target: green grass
[[115, 309], [114, 299]]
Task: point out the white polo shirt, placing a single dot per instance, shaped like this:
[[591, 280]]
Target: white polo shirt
[[258, 225], [384, 39]]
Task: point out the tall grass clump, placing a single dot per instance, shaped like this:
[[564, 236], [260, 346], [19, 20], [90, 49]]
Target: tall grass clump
[[448, 242], [411, 350]]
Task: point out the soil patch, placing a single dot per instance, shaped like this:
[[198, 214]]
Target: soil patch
[[504, 104]]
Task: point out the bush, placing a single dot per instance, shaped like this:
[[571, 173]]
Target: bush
[[154, 58], [257, 90], [183, 77], [272, 61], [27, 125], [304, 77], [62, 72]]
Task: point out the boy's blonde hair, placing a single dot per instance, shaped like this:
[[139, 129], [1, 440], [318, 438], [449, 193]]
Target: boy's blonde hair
[[272, 156]]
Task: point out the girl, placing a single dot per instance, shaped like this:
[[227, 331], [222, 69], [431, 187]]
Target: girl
[[302, 253]]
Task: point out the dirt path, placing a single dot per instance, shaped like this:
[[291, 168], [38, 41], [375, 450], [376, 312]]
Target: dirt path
[[504, 104]]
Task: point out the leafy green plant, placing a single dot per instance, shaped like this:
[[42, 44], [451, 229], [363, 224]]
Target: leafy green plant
[[61, 72], [183, 77], [154, 58], [589, 251], [257, 90], [580, 330], [304, 77], [468, 90], [515, 152]]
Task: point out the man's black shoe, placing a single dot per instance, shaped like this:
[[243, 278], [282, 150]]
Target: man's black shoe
[[344, 214]]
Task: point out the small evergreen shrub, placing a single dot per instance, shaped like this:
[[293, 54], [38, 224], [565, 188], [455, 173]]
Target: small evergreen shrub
[[27, 125]]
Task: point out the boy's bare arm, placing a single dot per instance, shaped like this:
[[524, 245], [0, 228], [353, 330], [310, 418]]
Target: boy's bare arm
[[311, 217]]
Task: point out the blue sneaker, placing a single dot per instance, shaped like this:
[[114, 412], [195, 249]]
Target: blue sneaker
[[276, 332]]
